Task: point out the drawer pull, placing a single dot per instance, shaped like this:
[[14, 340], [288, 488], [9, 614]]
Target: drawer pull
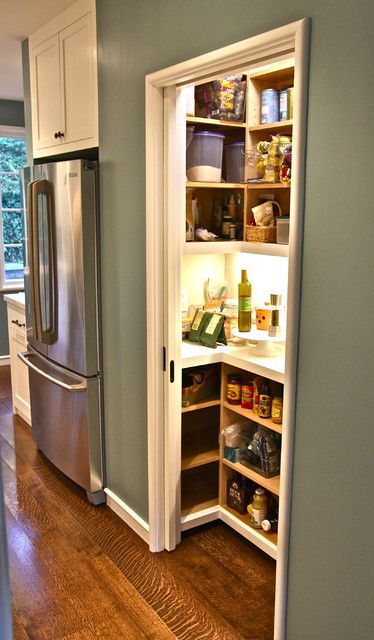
[[18, 323]]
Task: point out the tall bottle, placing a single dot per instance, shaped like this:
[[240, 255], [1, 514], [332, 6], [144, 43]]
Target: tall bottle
[[244, 303]]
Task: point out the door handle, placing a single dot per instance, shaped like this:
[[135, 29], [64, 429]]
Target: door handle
[[24, 357], [18, 323]]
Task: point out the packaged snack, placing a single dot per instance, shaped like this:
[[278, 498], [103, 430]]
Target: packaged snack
[[198, 323], [213, 331]]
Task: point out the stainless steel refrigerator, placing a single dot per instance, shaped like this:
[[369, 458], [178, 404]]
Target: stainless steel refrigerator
[[63, 319]]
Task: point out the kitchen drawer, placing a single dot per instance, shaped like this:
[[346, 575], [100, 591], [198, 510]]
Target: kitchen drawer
[[17, 324]]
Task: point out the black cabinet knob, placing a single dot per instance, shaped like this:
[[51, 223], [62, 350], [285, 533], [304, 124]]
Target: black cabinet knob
[[56, 135], [59, 134]]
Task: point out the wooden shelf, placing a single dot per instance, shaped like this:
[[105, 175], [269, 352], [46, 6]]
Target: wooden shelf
[[241, 523], [250, 415], [276, 71], [282, 125], [237, 246], [192, 458], [199, 489], [201, 405], [216, 123], [267, 185], [216, 185], [271, 484]]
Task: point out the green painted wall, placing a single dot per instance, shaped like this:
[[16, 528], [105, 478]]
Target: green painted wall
[[11, 114], [330, 592]]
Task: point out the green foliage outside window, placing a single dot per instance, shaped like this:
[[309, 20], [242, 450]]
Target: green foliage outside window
[[12, 158]]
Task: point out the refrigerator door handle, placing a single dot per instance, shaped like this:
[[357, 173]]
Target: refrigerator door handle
[[24, 356], [43, 259]]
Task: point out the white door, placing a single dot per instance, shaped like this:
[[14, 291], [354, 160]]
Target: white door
[[46, 105], [78, 80]]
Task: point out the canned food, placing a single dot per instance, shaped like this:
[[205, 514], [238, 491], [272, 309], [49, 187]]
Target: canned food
[[269, 106]]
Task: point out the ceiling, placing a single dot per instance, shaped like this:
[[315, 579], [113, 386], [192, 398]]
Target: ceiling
[[19, 19]]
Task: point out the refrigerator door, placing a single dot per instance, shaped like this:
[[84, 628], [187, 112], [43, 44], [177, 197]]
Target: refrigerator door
[[62, 257], [66, 422], [29, 177]]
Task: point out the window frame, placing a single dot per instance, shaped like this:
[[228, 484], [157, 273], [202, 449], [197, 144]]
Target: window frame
[[10, 131]]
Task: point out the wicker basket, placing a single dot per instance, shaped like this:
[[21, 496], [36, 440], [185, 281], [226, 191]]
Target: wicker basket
[[262, 234]]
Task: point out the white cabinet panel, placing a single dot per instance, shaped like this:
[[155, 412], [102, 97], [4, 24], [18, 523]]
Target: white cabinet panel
[[46, 114], [63, 70], [79, 89], [19, 371]]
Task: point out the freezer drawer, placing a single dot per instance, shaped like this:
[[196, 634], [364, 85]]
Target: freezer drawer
[[66, 422]]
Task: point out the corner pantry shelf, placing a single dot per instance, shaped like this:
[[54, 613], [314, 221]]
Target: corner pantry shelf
[[237, 246], [283, 125], [250, 415], [241, 523], [271, 484], [216, 123], [201, 405], [216, 185]]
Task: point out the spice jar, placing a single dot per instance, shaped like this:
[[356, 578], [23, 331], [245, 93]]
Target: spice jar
[[234, 388], [258, 509]]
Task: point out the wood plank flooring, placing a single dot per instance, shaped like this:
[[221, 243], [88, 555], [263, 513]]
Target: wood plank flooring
[[79, 573]]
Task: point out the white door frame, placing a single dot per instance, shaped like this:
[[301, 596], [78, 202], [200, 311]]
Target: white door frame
[[164, 186]]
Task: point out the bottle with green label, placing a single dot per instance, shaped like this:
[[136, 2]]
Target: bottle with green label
[[244, 303]]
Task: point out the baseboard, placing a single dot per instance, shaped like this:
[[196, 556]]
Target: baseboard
[[4, 360], [128, 515]]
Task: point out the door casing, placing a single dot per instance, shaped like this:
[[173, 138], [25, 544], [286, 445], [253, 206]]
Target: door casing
[[165, 192]]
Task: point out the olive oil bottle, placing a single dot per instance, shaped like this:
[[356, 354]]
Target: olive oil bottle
[[244, 303]]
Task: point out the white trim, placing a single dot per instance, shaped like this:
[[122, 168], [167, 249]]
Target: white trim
[[243, 55], [11, 131], [128, 515], [200, 517], [4, 360]]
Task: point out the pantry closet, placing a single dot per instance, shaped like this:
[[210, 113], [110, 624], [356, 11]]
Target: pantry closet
[[189, 465]]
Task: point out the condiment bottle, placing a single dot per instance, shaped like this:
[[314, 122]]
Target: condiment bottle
[[225, 230], [277, 407], [234, 388], [258, 509], [264, 408], [270, 525], [244, 303], [247, 395]]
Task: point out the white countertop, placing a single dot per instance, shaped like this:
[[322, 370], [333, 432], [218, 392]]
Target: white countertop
[[16, 300], [195, 354]]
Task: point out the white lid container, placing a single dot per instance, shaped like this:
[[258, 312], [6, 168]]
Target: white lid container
[[283, 230], [204, 157]]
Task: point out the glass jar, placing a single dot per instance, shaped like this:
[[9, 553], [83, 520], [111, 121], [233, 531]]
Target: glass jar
[[234, 388]]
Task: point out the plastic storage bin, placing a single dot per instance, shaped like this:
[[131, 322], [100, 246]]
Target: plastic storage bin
[[283, 230], [204, 157], [234, 155]]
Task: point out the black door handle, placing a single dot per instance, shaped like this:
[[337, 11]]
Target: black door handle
[[171, 369]]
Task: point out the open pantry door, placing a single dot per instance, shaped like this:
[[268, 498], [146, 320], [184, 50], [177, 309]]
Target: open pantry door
[[165, 196]]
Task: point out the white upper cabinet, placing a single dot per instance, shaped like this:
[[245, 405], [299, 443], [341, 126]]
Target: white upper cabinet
[[63, 70]]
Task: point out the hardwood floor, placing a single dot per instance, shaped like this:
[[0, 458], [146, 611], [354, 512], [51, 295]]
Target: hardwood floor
[[79, 573]]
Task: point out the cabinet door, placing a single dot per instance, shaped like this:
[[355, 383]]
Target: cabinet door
[[45, 88], [19, 372], [79, 81]]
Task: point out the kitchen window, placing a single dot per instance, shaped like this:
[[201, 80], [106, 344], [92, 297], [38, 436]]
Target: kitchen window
[[12, 207]]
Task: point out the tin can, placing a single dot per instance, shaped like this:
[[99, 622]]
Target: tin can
[[269, 106], [283, 108]]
